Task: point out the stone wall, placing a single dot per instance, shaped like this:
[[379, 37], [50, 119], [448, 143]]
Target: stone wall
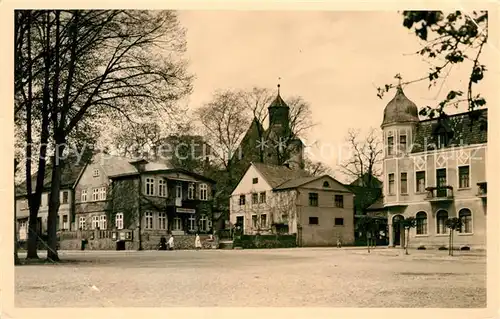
[[150, 240]]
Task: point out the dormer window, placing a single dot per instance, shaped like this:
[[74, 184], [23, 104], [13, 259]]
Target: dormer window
[[442, 140], [326, 184]]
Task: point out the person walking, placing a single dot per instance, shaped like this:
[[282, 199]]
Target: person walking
[[197, 242], [171, 243]]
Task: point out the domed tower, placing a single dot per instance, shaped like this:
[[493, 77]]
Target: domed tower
[[399, 125], [400, 120]]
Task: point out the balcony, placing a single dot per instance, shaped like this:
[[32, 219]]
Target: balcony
[[439, 194], [481, 190]]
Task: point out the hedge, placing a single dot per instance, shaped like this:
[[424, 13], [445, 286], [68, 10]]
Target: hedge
[[265, 241]]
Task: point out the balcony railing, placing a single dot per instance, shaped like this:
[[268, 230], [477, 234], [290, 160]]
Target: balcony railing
[[481, 189], [441, 193]]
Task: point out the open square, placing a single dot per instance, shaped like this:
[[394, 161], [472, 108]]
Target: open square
[[314, 277]]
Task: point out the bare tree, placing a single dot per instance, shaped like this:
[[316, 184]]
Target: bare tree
[[365, 156], [316, 168], [99, 62]]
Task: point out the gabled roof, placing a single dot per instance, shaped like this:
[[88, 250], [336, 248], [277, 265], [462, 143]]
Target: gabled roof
[[367, 181], [468, 128], [276, 175], [70, 173], [118, 165]]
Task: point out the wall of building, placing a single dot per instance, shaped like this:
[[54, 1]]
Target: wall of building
[[325, 233]]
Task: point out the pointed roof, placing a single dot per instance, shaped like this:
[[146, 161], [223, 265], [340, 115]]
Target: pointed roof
[[400, 109], [278, 101]]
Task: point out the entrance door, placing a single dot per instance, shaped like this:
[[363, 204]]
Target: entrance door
[[397, 230], [240, 222], [441, 182]]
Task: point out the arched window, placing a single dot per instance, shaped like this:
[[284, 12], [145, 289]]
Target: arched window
[[421, 223], [465, 216], [441, 218]]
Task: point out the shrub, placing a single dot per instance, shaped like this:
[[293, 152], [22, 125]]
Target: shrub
[[443, 248], [421, 248], [465, 248]]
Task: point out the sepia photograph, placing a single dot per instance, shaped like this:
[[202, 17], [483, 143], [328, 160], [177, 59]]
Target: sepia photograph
[[250, 158]]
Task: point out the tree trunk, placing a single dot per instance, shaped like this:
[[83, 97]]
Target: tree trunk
[[407, 240], [368, 242], [16, 256], [449, 244], [57, 167]]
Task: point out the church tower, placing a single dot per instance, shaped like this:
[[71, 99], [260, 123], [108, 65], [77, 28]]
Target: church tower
[[280, 130]]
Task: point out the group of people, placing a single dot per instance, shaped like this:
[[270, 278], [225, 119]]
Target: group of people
[[164, 245]]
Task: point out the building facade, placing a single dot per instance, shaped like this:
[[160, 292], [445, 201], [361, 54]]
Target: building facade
[[434, 170], [278, 199], [137, 202]]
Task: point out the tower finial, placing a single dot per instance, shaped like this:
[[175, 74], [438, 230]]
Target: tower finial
[[279, 85], [398, 76]]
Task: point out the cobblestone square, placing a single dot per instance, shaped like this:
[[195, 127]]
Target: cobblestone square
[[264, 278]]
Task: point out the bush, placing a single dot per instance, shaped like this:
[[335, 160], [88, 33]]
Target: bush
[[465, 248], [443, 248], [266, 241], [421, 248]]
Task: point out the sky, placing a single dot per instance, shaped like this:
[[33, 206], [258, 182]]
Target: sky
[[333, 59]]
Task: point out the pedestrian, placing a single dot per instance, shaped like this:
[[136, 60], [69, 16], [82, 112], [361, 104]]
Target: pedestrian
[[339, 243], [171, 243], [197, 242], [163, 243]]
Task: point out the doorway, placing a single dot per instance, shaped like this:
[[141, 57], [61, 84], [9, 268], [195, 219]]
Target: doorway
[[397, 230]]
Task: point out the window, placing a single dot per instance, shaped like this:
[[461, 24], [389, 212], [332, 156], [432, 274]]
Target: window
[[149, 220], [465, 216], [162, 187], [162, 220], [65, 197], [254, 221], [441, 217], [326, 184], [313, 199], [178, 191], [402, 143], [84, 195], [177, 224], [313, 221], [192, 223], [191, 191], [203, 192], [255, 198], [65, 225], [102, 193], [339, 201], [102, 222], [263, 220], [262, 197], [421, 218], [81, 223], [242, 200], [95, 222], [203, 223], [463, 177], [150, 189], [391, 184], [255, 180], [240, 221], [390, 145], [404, 183], [441, 182], [339, 222], [119, 220], [96, 172], [442, 140], [95, 194], [420, 181]]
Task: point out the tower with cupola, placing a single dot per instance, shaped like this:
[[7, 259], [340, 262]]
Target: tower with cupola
[[398, 127]]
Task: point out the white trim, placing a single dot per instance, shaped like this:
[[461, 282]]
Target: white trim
[[388, 184], [451, 149], [426, 202], [396, 180]]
